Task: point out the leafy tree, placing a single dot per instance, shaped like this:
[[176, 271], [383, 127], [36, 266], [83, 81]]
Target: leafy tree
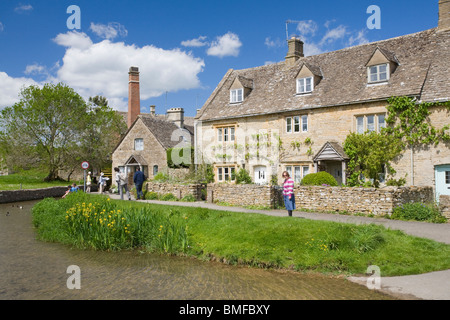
[[53, 128], [368, 153]]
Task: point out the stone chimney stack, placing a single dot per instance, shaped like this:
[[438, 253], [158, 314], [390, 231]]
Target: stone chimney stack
[[176, 115], [295, 51], [444, 15], [134, 97], [153, 110]]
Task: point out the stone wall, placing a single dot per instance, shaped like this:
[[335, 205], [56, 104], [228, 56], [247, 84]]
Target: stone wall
[[444, 203], [178, 190], [29, 195], [241, 194], [322, 199]]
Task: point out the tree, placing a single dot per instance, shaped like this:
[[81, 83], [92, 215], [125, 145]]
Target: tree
[[368, 153], [53, 127]]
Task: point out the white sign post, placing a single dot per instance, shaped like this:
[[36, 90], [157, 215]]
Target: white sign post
[[85, 166]]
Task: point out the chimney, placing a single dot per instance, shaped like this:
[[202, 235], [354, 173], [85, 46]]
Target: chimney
[[444, 15], [295, 51], [176, 115], [153, 110], [134, 97]]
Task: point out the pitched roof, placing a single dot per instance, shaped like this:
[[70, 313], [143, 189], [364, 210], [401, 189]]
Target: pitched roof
[[424, 65]]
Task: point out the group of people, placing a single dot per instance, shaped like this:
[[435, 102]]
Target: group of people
[[122, 183]]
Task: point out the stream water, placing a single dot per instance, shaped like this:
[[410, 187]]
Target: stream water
[[33, 270]]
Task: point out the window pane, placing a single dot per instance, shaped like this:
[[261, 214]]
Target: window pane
[[304, 123], [289, 170], [360, 124], [226, 174], [305, 171], [225, 134], [383, 68], [300, 85], [296, 124], [371, 123], [231, 134], [383, 76], [297, 174], [381, 122], [233, 174], [239, 95], [447, 177], [219, 173], [139, 144], [308, 84], [219, 134], [288, 125]]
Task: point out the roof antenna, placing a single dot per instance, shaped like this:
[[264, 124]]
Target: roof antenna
[[287, 22]]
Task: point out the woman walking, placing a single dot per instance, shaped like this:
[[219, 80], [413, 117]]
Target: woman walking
[[288, 193]]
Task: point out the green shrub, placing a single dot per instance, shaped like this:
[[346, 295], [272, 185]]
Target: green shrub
[[160, 176], [418, 212], [188, 198], [169, 197], [243, 177], [318, 179], [151, 196]]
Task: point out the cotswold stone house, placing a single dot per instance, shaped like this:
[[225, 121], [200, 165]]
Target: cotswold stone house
[[149, 135], [295, 115]]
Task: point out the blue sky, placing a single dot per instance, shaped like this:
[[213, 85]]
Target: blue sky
[[183, 48]]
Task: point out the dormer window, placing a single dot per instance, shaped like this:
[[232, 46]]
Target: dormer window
[[305, 85], [379, 73], [236, 95]]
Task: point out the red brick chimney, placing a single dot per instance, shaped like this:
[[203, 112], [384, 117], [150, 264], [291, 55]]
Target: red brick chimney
[[134, 97]]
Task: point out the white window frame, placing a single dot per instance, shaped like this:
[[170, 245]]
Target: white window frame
[[289, 126], [370, 125], [379, 125], [363, 127], [226, 134], [302, 85], [296, 124], [225, 174], [236, 95], [378, 73], [139, 144], [305, 123], [297, 172]]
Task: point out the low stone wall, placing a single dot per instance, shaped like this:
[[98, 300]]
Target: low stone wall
[[178, 190], [322, 199], [444, 204], [241, 194], [29, 195]]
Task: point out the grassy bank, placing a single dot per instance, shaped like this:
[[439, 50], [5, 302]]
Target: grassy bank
[[30, 179], [236, 238]]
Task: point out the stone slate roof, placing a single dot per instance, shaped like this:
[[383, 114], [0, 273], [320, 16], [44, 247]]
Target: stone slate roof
[[423, 71], [163, 129]]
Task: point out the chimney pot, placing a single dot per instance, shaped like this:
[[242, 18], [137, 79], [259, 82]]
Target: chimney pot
[[134, 98], [176, 115]]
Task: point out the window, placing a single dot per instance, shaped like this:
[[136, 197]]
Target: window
[[447, 177], [379, 73], [381, 122], [370, 123], [155, 170], [226, 134], [305, 85], [289, 125], [297, 124], [236, 95], [360, 125], [304, 123], [297, 173], [226, 174], [139, 144]]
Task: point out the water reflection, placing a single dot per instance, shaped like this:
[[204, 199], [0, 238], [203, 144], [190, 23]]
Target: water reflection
[[32, 269]]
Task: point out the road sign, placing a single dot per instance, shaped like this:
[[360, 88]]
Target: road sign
[[85, 165]]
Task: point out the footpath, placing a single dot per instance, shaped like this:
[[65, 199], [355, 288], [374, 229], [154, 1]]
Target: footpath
[[428, 286]]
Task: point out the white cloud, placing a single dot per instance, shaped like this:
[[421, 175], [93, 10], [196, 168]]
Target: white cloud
[[10, 88], [198, 42], [110, 31], [226, 45], [74, 40], [358, 39], [36, 68], [1, 27], [102, 68], [24, 8], [277, 43], [334, 34], [307, 27]]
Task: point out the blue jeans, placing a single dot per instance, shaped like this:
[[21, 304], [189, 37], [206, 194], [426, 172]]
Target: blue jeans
[[139, 192]]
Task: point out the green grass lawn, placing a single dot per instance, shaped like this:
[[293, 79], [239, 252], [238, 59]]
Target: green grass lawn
[[249, 239], [30, 179]]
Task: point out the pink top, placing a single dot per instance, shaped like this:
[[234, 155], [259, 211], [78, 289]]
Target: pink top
[[288, 187]]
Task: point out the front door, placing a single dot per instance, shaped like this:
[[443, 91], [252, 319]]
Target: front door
[[260, 175], [442, 177]]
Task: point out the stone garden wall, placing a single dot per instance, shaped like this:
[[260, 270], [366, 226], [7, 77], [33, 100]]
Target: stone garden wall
[[444, 203], [178, 190], [322, 199]]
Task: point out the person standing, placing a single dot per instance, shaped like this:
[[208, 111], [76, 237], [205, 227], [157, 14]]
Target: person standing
[[101, 182], [88, 182], [138, 180], [288, 193], [122, 183]]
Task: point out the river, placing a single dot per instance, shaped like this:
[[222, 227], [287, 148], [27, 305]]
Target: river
[[34, 270]]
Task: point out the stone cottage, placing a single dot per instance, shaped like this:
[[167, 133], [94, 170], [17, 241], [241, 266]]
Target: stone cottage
[[295, 115], [150, 135]]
